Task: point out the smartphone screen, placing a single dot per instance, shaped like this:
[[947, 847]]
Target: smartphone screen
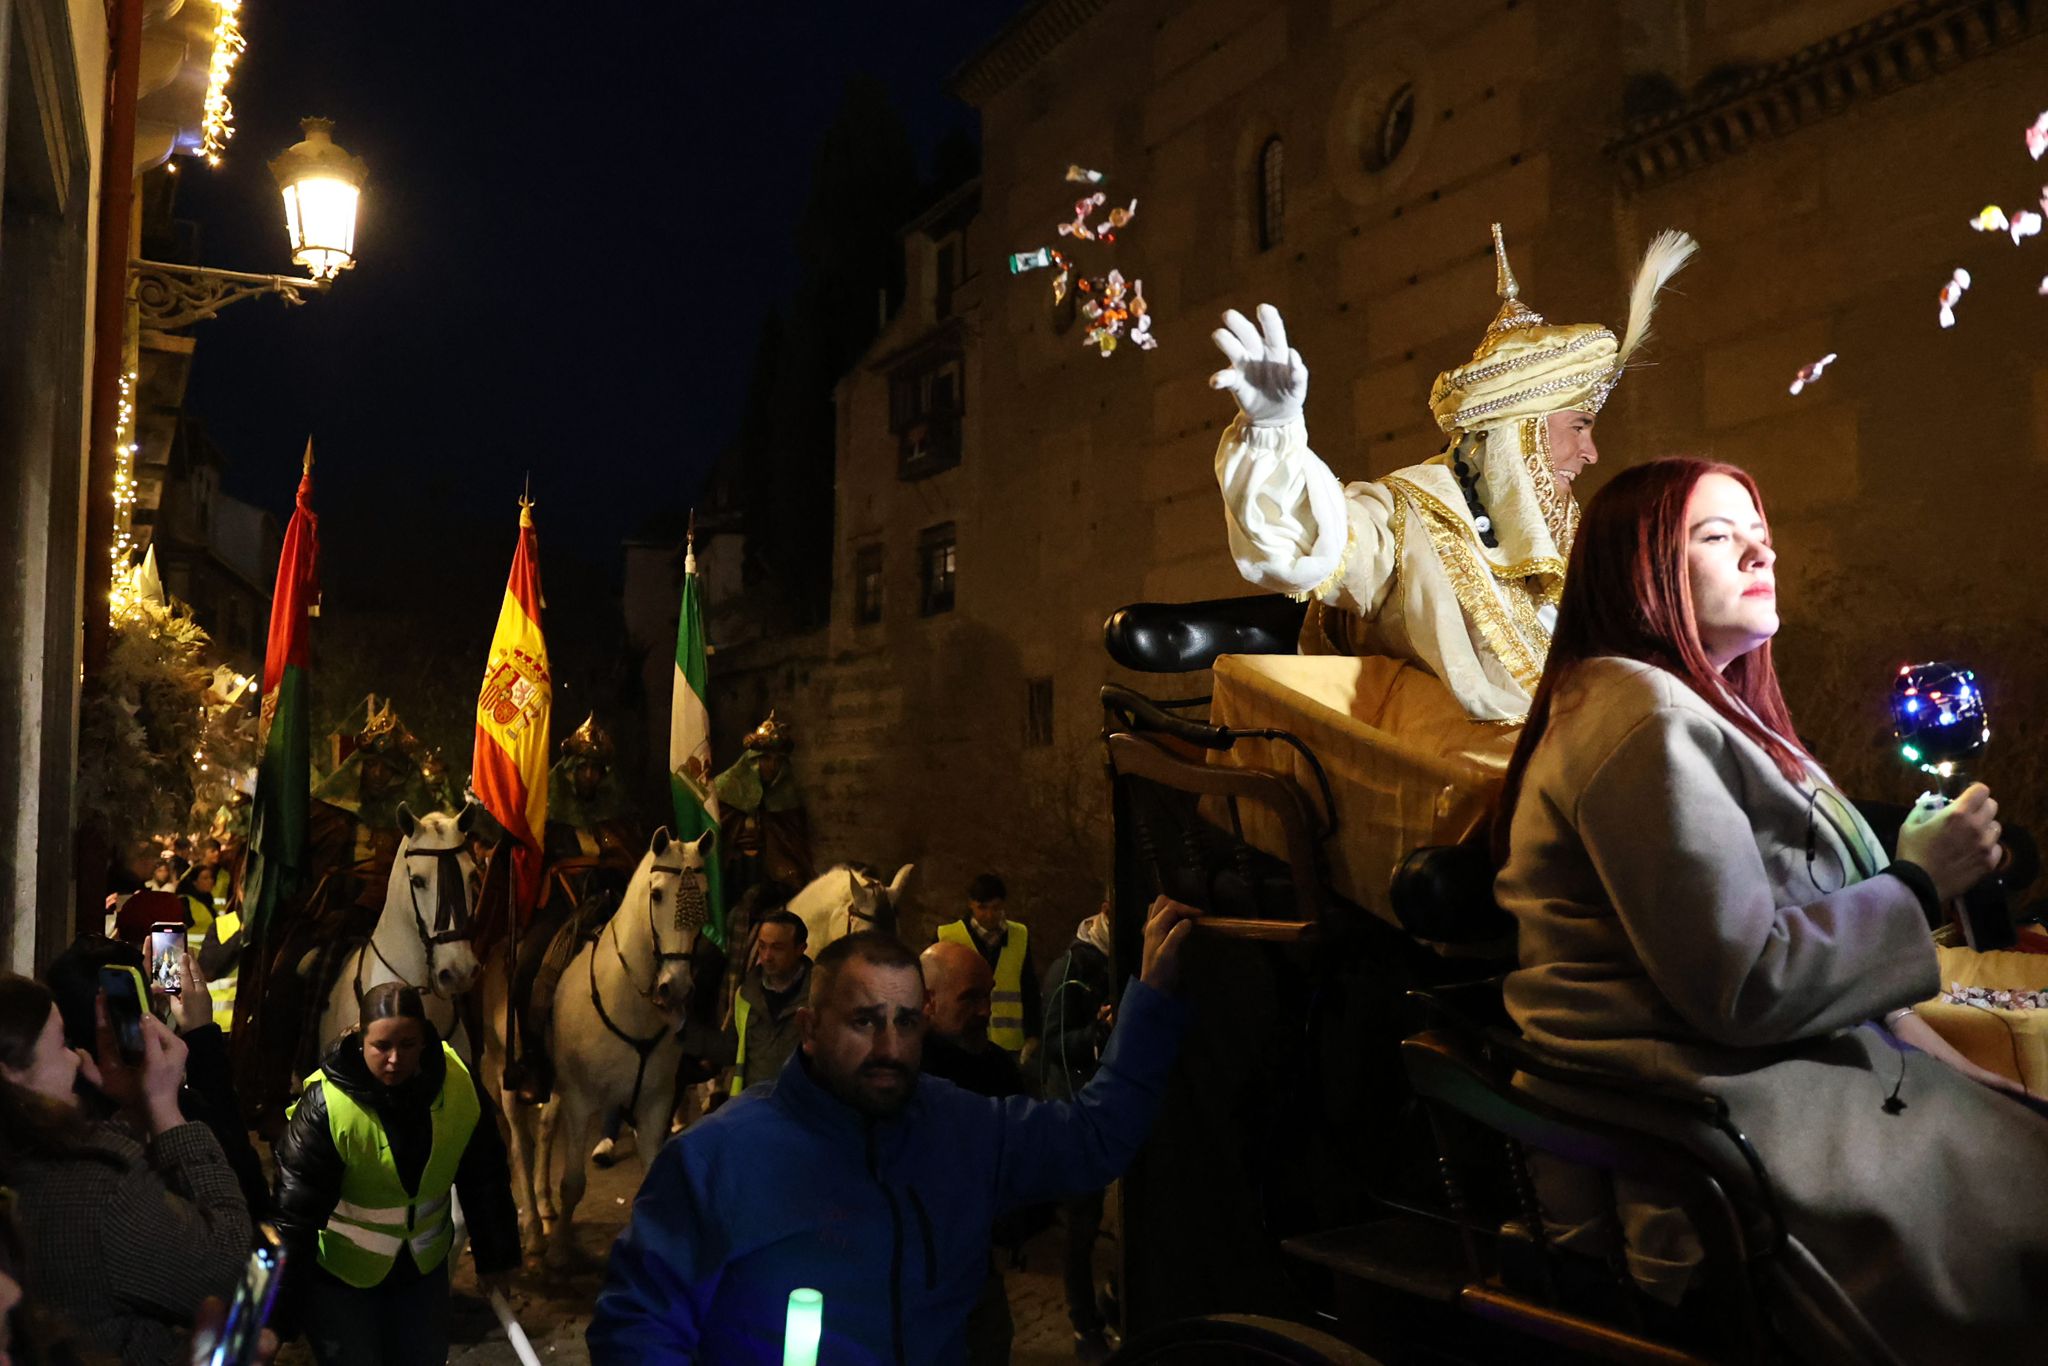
[[243, 1328], [122, 986], [166, 945]]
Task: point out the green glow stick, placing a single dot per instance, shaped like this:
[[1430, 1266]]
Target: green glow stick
[[802, 1329]]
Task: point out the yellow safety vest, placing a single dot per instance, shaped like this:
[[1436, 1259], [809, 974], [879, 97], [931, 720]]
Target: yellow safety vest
[[221, 990], [375, 1215], [740, 1007], [1006, 1005]]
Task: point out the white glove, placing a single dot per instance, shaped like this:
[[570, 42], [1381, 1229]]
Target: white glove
[[1266, 378]]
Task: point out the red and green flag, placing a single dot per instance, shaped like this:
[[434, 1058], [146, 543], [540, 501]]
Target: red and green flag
[[509, 771], [276, 868], [284, 778]]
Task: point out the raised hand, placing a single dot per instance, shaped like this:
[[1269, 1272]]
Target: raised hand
[[1265, 375]]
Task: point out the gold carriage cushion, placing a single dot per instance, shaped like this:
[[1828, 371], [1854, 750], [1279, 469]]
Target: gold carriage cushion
[[1407, 766], [1990, 1010]]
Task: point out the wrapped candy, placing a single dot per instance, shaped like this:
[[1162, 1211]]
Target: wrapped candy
[[2025, 223], [2043, 291], [1990, 218], [1114, 307], [1809, 373], [1117, 219], [1141, 318], [1079, 229], [2037, 136], [1995, 998], [1952, 294]]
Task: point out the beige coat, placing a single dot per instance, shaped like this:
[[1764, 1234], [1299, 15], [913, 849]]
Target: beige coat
[[1688, 914]]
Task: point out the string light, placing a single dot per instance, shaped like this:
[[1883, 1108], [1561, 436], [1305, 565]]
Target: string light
[[217, 115], [122, 596]]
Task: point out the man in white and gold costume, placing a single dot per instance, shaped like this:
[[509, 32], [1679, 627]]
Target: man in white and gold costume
[[1456, 564], [1440, 581]]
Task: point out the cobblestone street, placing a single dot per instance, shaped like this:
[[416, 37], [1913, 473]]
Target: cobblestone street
[[555, 1308]]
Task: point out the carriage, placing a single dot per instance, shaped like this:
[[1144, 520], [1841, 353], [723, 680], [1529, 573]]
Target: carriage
[[1346, 1103]]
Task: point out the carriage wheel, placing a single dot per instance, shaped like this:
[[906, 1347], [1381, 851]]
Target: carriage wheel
[[1238, 1340]]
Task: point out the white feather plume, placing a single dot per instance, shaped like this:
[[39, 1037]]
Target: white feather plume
[[1668, 253]]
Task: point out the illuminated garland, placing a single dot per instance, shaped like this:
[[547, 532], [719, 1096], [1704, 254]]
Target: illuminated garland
[[217, 116], [121, 597]]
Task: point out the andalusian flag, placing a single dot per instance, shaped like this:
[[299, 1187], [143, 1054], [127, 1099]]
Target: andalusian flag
[[276, 867], [689, 740], [509, 771]]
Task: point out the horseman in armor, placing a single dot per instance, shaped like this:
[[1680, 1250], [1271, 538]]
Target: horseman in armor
[[764, 831]]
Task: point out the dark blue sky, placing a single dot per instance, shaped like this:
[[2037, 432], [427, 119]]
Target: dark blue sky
[[576, 218]]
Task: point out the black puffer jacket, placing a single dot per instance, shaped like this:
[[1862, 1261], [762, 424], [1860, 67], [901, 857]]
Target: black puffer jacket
[[309, 1170]]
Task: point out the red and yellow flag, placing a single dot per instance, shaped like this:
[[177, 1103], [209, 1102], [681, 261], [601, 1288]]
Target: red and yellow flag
[[510, 768]]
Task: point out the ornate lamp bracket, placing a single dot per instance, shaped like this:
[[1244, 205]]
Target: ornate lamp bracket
[[170, 296]]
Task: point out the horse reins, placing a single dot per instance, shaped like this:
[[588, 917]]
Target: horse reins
[[691, 914]]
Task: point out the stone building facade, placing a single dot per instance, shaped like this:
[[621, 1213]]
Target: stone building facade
[[1002, 488]]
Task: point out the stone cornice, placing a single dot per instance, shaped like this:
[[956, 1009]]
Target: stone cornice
[[1916, 41], [1019, 47]]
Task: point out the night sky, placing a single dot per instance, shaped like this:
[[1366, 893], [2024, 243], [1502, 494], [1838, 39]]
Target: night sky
[[576, 219]]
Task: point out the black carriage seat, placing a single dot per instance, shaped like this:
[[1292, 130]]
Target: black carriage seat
[[1443, 893], [1772, 1302], [1183, 637]]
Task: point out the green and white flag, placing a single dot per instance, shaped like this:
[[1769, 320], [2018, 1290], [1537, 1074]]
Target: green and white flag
[[689, 741]]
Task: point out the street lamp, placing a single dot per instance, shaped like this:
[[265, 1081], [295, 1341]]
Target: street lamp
[[322, 185]]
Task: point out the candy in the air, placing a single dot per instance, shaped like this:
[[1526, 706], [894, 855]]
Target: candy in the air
[[1990, 218], [2025, 223], [1141, 318], [1079, 228], [1809, 373], [2043, 290], [1952, 294], [1117, 218], [2037, 136], [1078, 174], [1021, 261]]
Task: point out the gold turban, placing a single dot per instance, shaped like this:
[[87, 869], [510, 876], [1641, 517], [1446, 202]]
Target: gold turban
[[1525, 367]]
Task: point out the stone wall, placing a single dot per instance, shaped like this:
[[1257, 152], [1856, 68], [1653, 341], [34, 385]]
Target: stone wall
[[1827, 156]]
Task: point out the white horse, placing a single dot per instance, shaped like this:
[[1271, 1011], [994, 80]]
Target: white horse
[[843, 899], [423, 938], [617, 1009]]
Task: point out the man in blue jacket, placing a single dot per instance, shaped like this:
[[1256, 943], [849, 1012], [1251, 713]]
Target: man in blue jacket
[[855, 1176]]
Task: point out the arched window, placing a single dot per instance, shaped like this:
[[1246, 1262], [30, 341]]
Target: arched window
[[1271, 192], [1397, 122]]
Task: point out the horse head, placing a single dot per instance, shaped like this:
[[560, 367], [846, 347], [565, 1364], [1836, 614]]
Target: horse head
[[873, 904], [668, 891], [433, 885]]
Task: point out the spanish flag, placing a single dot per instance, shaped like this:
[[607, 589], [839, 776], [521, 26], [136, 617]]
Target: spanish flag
[[509, 771]]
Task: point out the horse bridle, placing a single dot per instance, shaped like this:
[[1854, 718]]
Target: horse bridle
[[451, 922], [692, 912], [853, 912]]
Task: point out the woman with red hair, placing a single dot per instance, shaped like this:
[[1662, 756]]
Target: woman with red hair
[[1697, 904]]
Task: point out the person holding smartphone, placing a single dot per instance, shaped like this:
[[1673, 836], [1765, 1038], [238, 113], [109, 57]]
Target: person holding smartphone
[[389, 1127], [130, 1222], [73, 977]]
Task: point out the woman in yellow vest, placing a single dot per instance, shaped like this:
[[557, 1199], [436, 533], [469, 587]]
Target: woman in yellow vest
[[389, 1127]]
